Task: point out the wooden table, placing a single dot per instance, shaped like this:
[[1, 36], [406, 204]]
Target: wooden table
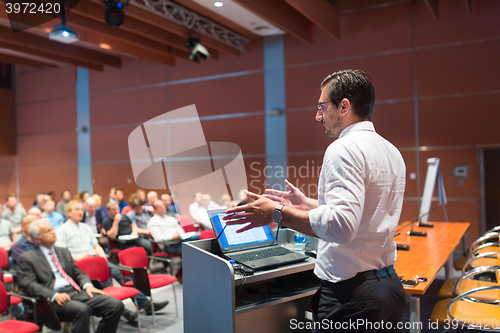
[[426, 256]]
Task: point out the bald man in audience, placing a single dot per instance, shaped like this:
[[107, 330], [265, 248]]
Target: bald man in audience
[[152, 196], [24, 243], [91, 216]]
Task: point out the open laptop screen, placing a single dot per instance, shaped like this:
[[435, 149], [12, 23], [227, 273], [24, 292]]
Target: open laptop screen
[[230, 241]]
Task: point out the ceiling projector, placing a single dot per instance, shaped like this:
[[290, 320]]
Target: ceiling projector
[[63, 34]]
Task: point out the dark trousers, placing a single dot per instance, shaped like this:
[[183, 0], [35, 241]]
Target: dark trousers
[[373, 305], [79, 309]]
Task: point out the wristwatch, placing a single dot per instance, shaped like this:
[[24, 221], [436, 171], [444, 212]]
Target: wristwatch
[[277, 214]]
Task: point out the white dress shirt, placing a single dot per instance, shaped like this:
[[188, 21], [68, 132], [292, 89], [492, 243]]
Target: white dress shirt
[[361, 189], [163, 228]]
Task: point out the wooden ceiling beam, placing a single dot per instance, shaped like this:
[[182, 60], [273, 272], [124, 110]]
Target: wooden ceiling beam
[[95, 11], [282, 15], [74, 51], [10, 59], [140, 52], [323, 13], [432, 5], [51, 56], [105, 29]]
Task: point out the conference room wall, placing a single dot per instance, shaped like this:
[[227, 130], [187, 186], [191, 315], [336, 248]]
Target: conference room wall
[[46, 136], [436, 83], [229, 100], [448, 65]]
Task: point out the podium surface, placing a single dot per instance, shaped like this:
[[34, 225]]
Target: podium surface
[[216, 299]]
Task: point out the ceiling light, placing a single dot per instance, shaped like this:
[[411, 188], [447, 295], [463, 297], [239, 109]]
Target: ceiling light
[[113, 14], [197, 49], [63, 34], [105, 46], [218, 4]]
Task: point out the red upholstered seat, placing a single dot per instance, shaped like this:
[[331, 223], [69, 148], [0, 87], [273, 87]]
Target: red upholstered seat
[[136, 258], [207, 234], [157, 280], [13, 326], [121, 293], [7, 278], [15, 300], [97, 269], [17, 326]]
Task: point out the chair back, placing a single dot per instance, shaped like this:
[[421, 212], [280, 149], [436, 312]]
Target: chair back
[[95, 267], [185, 220], [189, 227], [3, 298], [207, 234], [134, 257], [4, 258]]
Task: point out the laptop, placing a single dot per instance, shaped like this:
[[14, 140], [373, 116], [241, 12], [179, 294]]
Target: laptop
[[255, 248]]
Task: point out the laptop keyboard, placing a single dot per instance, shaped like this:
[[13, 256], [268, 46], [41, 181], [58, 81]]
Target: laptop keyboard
[[260, 254]]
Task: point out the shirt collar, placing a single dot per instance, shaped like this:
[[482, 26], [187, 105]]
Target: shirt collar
[[46, 250], [358, 126]]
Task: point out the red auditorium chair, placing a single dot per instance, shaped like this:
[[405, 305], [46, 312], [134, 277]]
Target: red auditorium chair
[[4, 262], [13, 326], [97, 269], [207, 234], [136, 260]]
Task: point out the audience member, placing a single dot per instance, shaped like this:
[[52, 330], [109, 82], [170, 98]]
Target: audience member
[[13, 212], [91, 216], [61, 205], [56, 219], [73, 297], [166, 228], [142, 195], [193, 208], [119, 199], [40, 201], [202, 212], [24, 243], [167, 201], [99, 206], [35, 211], [148, 206], [112, 194], [116, 225], [7, 234], [137, 215], [174, 206], [79, 239], [52, 195]]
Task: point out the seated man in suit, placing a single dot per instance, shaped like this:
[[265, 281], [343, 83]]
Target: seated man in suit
[[51, 272]]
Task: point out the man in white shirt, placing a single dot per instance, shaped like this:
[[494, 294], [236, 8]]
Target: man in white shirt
[[166, 228], [361, 190]]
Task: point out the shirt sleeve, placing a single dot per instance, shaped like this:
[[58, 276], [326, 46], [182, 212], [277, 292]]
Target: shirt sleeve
[[344, 194]]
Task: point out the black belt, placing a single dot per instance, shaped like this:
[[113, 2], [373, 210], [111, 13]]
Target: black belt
[[362, 276]]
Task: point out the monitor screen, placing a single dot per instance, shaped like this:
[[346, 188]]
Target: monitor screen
[[230, 240]]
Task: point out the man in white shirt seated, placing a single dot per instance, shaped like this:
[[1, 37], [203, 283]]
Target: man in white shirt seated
[[79, 239], [202, 213], [166, 228]]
